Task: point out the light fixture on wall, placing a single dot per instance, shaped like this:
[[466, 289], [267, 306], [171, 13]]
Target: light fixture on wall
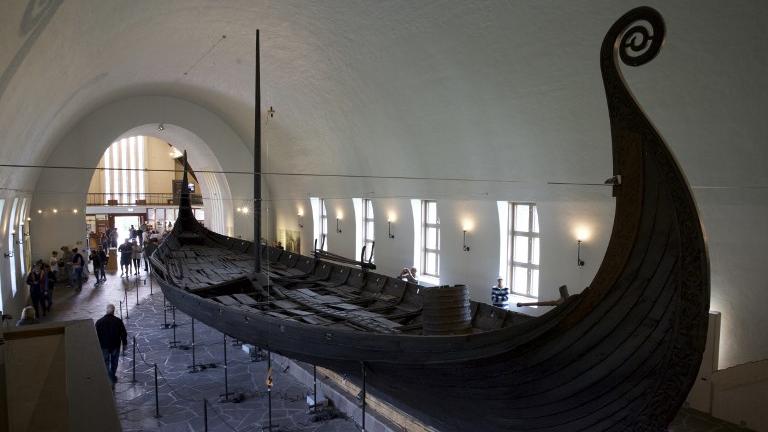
[[161, 127], [74, 211], [391, 217], [39, 211], [339, 217], [582, 234], [55, 210], [245, 210], [467, 225], [300, 216], [8, 254]]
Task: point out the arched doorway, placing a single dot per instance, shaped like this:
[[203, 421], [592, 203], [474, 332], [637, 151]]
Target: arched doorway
[[212, 146]]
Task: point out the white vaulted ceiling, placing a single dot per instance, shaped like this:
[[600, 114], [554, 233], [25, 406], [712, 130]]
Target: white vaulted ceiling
[[471, 89]]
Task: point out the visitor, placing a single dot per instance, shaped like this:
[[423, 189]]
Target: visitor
[[136, 255], [77, 270], [27, 317], [111, 332], [499, 294], [409, 275], [66, 258], [99, 260], [149, 249], [140, 233], [34, 280], [53, 262], [103, 240], [126, 253], [113, 237], [132, 232], [48, 286]]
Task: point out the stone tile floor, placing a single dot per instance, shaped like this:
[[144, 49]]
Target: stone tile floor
[[181, 393]]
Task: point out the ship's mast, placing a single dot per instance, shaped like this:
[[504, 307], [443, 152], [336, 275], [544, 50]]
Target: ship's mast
[[257, 162]]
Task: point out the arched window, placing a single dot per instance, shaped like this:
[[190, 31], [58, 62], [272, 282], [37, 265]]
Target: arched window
[[365, 230], [320, 222], [426, 245], [12, 245], [520, 247], [124, 164]]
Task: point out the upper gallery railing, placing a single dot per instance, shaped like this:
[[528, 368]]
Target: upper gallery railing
[[130, 199]]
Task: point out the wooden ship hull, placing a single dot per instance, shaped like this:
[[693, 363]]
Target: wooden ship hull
[[622, 355]]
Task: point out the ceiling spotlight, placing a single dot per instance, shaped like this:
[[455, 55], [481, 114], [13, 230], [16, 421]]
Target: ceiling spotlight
[[161, 127]]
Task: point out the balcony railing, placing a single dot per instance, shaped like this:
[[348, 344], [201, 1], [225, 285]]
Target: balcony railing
[[136, 199]]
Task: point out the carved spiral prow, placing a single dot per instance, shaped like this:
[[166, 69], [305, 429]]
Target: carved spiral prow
[[639, 43]]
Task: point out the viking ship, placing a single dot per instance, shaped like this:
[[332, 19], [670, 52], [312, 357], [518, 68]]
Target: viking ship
[[620, 356]]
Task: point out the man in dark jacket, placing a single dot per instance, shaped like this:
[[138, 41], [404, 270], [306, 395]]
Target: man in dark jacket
[[112, 334]]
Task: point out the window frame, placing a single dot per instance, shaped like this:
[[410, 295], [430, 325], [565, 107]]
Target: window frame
[[323, 226], [534, 232], [425, 227], [368, 237]]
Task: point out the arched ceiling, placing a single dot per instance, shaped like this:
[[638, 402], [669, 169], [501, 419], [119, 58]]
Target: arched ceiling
[[471, 89]]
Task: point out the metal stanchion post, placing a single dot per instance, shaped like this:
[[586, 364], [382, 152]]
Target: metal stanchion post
[[157, 397], [174, 343], [205, 415], [125, 290], [226, 374], [269, 391], [165, 314], [134, 359], [137, 293], [314, 388], [193, 368], [121, 311], [362, 364]]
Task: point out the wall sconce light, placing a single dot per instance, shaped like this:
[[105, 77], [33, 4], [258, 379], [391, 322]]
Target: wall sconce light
[[55, 210], [300, 215], [75, 211], [391, 217], [582, 234], [39, 211], [245, 210], [29, 218], [467, 225], [339, 217]]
